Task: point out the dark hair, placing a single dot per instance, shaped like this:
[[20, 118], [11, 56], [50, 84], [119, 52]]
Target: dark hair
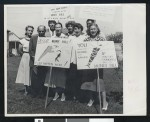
[[70, 23], [52, 21], [78, 25], [42, 26], [26, 28], [88, 30], [93, 21], [59, 24]]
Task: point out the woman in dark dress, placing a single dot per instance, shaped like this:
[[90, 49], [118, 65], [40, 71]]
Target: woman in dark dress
[[89, 77], [58, 79]]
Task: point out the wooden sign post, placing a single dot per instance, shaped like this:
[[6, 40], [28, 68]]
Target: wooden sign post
[[48, 86]]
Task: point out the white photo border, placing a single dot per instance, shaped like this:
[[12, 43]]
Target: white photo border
[[133, 104]]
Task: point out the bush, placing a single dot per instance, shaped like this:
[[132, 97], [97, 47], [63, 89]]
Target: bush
[[117, 37]]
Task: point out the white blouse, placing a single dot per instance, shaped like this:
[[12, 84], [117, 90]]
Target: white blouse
[[74, 41], [25, 44]]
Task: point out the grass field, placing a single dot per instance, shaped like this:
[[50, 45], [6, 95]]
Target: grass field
[[17, 103]]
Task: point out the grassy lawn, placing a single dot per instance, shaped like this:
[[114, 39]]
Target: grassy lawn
[[17, 103]]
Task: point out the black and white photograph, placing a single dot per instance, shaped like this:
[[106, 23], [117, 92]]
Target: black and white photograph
[[68, 59]]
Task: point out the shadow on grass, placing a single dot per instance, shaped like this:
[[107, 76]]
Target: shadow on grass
[[49, 102]]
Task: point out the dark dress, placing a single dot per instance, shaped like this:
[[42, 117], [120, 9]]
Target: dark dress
[[89, 77], [58, 78], [89, 80]]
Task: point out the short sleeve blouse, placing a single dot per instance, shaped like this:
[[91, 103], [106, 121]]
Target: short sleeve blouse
[[25, 44]]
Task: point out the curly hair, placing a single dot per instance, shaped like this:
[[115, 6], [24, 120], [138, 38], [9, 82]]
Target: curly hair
[[29, 26], [51, 21], [88, 30]]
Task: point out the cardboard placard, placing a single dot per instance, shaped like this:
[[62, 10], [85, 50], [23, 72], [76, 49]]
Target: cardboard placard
[[97, 54], [55, 52]]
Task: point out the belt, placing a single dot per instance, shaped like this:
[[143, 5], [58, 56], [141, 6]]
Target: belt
[[25, 52]]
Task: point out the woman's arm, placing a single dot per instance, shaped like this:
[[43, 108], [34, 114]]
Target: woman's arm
[[20, 50]]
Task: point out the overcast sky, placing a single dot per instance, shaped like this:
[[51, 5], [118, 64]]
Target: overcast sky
[[18, 17]]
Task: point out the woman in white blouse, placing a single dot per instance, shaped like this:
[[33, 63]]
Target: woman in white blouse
[[23, 75], [73, 75]]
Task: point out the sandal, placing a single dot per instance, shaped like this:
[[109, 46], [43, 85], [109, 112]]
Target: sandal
[[63, 97], [90, 103], [105, 109], [56, 97]]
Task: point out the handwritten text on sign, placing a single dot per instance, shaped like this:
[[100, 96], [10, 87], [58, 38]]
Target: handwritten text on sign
[[55, 52], [103, 13], [92, 55], [62, 13]]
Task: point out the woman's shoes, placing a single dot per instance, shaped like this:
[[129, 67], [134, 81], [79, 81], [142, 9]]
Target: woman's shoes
[[90, 103], [56, 97], [63, 97], [25, 93], [105, 108]]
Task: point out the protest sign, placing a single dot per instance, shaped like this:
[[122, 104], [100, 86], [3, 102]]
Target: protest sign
[[97, 54], [62, 13], [102, 12], [55, 52]]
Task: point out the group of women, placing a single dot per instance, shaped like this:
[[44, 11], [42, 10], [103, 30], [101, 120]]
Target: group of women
[[68, 81]]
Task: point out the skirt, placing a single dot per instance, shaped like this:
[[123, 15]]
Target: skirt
[[90, 81], [58, 78], [94, 86], [23, 75]]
